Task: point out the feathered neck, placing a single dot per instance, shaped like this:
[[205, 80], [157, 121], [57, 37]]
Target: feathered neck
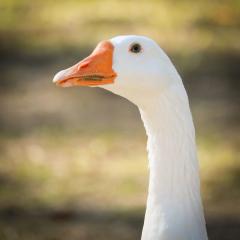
[[174, 208]]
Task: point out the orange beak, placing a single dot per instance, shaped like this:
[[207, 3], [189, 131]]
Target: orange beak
[[94, 70]]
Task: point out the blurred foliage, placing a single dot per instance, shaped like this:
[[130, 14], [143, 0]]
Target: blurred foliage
[[73, 161]]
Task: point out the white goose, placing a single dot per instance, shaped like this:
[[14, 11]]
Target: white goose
[[136, 68]]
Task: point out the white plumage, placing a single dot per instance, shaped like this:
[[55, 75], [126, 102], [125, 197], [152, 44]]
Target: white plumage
[[148, 79]]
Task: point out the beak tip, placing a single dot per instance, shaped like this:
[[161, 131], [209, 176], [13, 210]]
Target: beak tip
[[56, 78], [59, 76]]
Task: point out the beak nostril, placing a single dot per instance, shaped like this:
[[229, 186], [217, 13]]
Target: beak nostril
[[83, 65]]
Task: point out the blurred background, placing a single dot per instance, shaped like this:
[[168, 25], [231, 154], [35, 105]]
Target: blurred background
[[73, 163]]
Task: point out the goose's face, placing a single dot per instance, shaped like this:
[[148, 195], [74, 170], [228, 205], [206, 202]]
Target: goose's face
[[134, 67]]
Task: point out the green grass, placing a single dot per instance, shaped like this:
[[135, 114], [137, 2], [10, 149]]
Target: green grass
[[107, 170]]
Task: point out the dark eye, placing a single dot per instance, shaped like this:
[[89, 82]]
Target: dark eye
[[135, 48]]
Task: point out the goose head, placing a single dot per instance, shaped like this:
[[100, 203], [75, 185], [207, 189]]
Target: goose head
[[134, 67]]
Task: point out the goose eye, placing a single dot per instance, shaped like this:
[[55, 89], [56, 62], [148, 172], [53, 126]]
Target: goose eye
[[135, 48]]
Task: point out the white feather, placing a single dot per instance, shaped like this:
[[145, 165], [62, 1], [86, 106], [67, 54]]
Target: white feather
[[149, 79]]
